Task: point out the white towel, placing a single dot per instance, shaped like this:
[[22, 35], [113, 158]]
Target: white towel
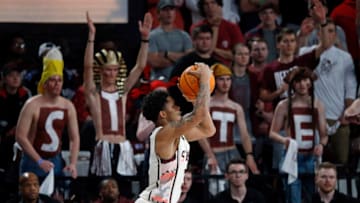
[[290, 165], [16, 147], [126, 163], [47, 186], [101, 165]]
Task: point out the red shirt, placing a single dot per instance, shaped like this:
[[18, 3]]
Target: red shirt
[[344, 15], [229, 35]]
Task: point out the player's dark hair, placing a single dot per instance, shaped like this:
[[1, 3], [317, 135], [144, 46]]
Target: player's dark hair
[[153, 103]]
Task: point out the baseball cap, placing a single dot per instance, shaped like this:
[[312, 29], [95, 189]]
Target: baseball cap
[[10, 67], [165, 3], [46, 46]]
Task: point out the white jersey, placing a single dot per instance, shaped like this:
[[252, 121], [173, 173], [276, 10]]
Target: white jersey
[[166, 176]]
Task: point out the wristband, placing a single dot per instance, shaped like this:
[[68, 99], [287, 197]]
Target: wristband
[[145, 40], [39, 162], [324, 24], [91, 41], [249, 153]]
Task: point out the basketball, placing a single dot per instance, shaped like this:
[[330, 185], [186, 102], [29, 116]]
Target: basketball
[[189, 84]]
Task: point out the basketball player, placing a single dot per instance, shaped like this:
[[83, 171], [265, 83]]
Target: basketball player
[[107, 95], [300, 115], [42, 121], [169, 147]]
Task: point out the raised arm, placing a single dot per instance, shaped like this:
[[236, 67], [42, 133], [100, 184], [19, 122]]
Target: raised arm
[[319, 15], [144, 28], [188, 125], [206, 126], [89, 84]]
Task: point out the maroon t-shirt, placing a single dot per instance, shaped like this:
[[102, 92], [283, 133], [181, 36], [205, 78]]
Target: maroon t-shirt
[[275, 72]]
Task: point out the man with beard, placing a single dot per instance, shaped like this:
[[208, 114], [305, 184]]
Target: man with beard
[[326, 180], [29, 190], [109, 192]]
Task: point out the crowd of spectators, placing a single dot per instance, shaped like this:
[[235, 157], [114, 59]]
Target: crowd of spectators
[[251, 47]]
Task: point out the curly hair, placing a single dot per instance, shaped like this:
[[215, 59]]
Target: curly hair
[[153, 103]]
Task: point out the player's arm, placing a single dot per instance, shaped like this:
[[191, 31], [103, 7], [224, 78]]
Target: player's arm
[[74, 139], [206, 126], [278, 123], [144, 28], [246, 140], [188, 124]]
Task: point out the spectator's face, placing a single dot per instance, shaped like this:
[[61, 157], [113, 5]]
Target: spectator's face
[[203, 42], [326, 180], [223, 83], [259, 52], [211, 8], [13, 79], [185, 187], [29, 189], [331, 32], [109, 74], [302, 86], [287, 45], [109, 191], [53, 85], [268, 16], [18, 46], [242, 55], [167, 15], [237, 175]]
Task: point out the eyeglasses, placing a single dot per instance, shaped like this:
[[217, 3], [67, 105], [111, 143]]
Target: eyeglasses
[[20, 45], [237, 172]]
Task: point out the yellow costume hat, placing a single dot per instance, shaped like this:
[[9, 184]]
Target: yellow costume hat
[[53, 64], [220, 70]]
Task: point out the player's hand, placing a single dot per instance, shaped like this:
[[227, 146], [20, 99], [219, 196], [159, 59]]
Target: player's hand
[[71, 168], [200, 70], [46, 165]]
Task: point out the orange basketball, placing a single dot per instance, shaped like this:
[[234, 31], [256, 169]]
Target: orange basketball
[[189, 84]]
